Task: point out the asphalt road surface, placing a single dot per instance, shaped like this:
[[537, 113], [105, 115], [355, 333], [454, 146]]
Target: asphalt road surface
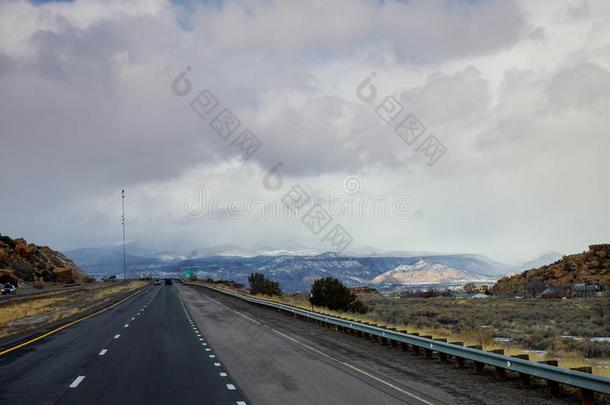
[[188, 345], [277, 359], [146, 350]]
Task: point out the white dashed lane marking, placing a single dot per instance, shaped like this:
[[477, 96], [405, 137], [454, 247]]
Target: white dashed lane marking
[[117, 336], [126, 325], [77, 381], [230, 387], [103, 352]]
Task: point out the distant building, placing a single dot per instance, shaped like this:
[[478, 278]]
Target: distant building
[[365, 291], [557, 292], [482, 288], [583, 290]]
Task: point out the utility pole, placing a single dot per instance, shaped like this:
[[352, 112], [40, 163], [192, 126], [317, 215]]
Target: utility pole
[[123, 223]]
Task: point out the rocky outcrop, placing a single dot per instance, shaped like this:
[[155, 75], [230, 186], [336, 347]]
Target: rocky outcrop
[[23, 262], [423, 272], [592, 266]]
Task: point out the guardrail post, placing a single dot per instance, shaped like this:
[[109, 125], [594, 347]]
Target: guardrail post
[[499, 371], [524, 379], [552, 387], [459, 361], [479, 367], [587, 397], [427, 352], [393, 342], [367, 335], [442, 356]]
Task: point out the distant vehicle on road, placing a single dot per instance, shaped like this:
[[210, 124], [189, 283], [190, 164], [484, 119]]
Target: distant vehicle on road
[[9, 289], [168, 281], [157, 282]]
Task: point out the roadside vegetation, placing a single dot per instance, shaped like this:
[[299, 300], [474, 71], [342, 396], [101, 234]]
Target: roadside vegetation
[[261, 284], [554, 326], [544, 329], [330, 293], [24, 314]]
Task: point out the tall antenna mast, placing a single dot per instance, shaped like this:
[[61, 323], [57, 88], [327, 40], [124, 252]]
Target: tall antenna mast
[[123, 223]]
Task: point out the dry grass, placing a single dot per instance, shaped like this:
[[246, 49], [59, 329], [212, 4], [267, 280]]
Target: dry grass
[[481, 321], [57, 305]]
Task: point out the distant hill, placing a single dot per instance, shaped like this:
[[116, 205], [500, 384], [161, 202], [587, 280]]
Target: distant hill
[[296, 273], [295, 267], [427, 273], [21, 261], [543, 260], [592, 266]]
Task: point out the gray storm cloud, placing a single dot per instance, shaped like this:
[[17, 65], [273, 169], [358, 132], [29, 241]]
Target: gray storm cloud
[[87, 109]]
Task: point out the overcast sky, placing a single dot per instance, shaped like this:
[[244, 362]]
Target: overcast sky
[[517, 93]]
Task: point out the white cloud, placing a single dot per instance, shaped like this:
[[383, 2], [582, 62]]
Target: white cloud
[[517, 93]]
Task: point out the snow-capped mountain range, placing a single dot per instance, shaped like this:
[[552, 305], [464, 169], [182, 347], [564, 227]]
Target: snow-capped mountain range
[[297, 267]]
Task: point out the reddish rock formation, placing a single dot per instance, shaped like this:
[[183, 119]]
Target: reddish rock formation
[[592, 266], [21, 261]]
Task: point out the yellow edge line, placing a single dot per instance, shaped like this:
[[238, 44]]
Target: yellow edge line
[[37, 338]]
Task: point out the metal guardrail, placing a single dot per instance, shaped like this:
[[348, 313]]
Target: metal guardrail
[[548, 372]]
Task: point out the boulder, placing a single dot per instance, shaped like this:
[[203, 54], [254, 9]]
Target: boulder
[[63, 275]]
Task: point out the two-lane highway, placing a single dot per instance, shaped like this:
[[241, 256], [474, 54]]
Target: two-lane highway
[[147, 350], [179, 344]]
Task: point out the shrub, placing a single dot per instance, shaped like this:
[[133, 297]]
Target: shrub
[[8, 240], [261, 284], [358, 307], [331, 293], [38, 283]]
